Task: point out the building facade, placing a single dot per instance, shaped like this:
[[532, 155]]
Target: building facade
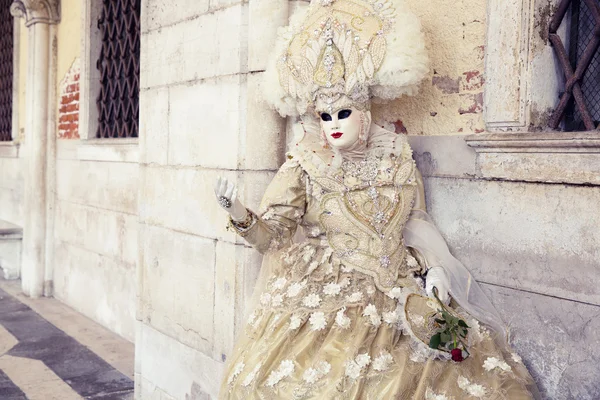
[[120, 114]]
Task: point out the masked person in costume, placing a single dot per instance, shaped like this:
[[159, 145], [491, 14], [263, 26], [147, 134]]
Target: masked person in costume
[[345, 305]]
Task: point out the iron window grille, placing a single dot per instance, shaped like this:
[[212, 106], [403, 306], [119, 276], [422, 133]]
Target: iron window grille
[[119, 66], [6, 70], [579, 105]]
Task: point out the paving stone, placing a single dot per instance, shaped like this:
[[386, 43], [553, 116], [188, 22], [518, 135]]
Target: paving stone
[[83, 370], [8, 390]]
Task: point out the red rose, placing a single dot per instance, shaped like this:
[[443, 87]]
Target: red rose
[[457, 355]]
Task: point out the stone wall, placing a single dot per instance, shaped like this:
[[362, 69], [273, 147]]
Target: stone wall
[[94, 241], [95, 235], [201, 118]]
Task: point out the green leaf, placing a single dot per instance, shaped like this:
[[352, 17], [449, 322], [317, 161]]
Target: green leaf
[[445, 337], [440, 321], [435, 340], [462, 323]]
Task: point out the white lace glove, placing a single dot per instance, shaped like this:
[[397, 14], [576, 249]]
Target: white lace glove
[[436, 277], [226, 194]]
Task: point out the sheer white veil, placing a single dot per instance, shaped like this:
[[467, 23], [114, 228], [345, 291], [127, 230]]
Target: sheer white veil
[[421, 234]]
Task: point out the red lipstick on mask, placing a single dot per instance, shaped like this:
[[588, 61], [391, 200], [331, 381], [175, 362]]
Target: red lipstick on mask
[[336, 135]]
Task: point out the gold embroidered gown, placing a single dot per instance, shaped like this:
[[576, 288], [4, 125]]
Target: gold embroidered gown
[[332, 320]]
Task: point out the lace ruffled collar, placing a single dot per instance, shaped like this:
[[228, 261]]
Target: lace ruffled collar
[[319, 161]]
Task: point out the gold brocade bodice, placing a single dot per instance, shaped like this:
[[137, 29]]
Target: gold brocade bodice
[[363, 213]]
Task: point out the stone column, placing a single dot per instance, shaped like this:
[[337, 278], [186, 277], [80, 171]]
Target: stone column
[[39, 15]]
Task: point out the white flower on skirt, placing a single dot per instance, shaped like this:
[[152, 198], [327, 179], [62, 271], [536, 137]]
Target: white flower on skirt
[[354, 367], [492, 362], [462, 382], [354, 297], [342, 320], [277, 300], [471, 388], [312, 375], [476, 390], [279, 283], [430, 395], [383, 361], [317, 321], [295, 288], [265, 299], [371, 312], [332, 289], [390, 317], [312, 300], [324, 367], [363, 360], [286, 368], [295, 322], [252, 375]]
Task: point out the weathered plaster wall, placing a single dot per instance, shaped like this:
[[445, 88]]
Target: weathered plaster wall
[[451, 98], [68, 35]]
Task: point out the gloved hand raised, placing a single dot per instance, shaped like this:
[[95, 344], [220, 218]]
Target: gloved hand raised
[[437, 277], [226, 194]]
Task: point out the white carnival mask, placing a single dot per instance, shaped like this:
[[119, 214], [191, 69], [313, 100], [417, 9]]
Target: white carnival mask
[[343, 128]]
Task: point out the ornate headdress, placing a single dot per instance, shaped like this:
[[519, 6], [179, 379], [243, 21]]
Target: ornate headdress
[[342, 53]]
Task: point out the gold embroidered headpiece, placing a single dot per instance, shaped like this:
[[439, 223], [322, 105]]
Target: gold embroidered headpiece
[[334, 57]]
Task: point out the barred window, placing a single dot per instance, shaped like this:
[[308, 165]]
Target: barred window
[[579, 105], [6, 70], [119, 66]]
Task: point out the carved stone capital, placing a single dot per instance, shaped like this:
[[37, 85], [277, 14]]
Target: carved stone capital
[[36, 11]]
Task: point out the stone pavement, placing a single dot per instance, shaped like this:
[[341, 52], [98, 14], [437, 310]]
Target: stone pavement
[[50, 352]]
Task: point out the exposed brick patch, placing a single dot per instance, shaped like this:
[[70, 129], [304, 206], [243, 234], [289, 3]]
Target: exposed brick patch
[[473, 81], [446, 84], [68, 112], [399, 127]]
